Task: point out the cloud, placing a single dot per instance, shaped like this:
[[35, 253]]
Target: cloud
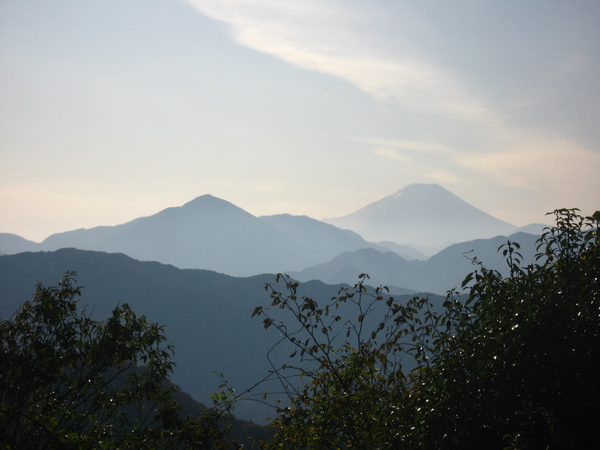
[[542, 164], [403, 144], [493, 133], [444, 176], [428, 161], [391, 154], [329, 37]]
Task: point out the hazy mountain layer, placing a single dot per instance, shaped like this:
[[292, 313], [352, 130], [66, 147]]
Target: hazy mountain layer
[[213, 234], [422, 214], [11, 243], [206, 314], [210, 233], [322, 240], [443, 271]]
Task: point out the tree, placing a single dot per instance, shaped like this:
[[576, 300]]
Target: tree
[[519, 369], [502, 363], [67, 381]]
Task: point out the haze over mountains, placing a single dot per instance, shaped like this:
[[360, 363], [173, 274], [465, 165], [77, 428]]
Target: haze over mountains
[[207, 314], [209, 233], [443, 271], [422, 215], [213, 234]]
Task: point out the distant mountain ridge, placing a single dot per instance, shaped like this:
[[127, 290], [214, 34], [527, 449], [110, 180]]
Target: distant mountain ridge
[[213, 234], [12, 243], [321, 239], [210, 233], [443, 271], [207, 233], [207, 315], [422, 214]]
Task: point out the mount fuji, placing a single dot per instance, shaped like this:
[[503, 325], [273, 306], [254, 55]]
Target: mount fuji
[[422, 215]]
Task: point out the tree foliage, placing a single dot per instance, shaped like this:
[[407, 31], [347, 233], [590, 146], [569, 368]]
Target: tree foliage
[[504, 362], [68, 381]]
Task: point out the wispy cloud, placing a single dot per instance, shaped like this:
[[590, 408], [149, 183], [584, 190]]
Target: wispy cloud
[[469, 132], [391, 154], [403, 144], [431, 162], [327, 36], [542, 164], [444, 176]]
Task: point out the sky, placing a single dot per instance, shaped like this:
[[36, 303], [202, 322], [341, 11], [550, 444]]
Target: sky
[[116, 109]]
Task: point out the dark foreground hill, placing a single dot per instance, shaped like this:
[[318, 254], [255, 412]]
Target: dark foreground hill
[[206, 315]]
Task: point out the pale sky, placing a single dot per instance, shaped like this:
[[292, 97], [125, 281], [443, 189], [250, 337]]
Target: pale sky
[[116, 109]]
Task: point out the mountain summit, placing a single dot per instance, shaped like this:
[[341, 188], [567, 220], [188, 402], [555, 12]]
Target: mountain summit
[[207, 232], [422, 214], [210, 233]]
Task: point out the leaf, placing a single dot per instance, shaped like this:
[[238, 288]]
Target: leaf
[[467, 279]]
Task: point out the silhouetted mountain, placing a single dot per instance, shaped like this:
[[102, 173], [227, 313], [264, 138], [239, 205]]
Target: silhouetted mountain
[[446, 269], [307, 231], [200, 309], [207, 233], [443, 271], [210, 233], [532, 228], [381, 266], [422, 214], [206, 314], [320, 240], [11, 244], [406, 252], [213, 234]]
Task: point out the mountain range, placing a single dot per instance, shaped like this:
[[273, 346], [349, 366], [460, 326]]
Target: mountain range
[[443, 271], [206, 264], [213, 234], [210, 233], [207, 315]]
